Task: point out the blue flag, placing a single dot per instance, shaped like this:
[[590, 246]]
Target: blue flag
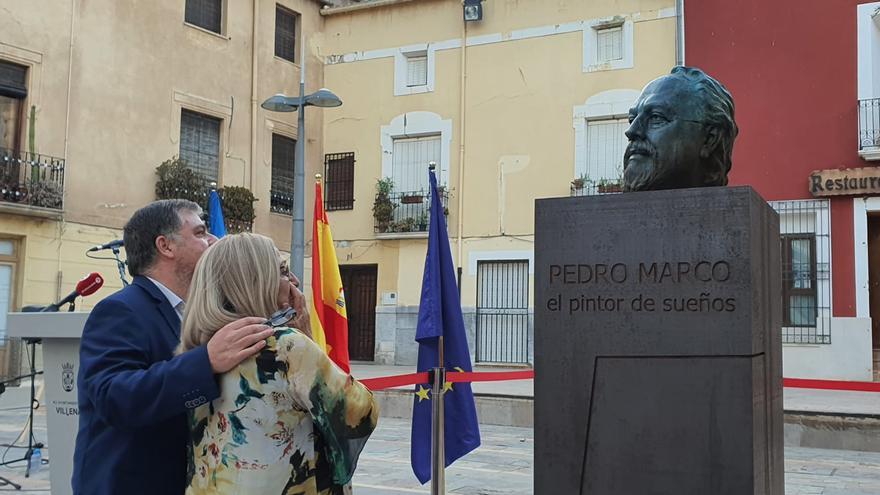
[[440, 314], [215, 216]]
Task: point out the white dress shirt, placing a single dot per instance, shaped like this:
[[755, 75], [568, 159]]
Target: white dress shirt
[[173, 299]]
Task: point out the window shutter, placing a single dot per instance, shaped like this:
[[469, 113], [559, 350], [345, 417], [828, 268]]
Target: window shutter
[[200, 143], [609, 44], [13, 80], [207, 14], [417, 70], [410, 160], [285, 33], [283, 169], [606, 143]]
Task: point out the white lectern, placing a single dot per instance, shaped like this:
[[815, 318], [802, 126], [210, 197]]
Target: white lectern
[[60, 334]]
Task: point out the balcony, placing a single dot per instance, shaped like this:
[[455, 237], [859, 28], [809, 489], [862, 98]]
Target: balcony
[[404, 214], [31, 184], [869, 129]]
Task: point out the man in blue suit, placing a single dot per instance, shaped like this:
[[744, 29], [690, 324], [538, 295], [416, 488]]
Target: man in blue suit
[[134, 392]]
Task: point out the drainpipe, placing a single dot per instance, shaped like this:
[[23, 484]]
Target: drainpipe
[[461, 147], [254, 107], [679, 32]]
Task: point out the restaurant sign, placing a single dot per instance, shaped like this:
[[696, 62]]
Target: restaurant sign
[[845, 182]]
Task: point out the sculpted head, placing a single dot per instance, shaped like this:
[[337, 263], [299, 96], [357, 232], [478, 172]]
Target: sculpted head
[[681, 133]]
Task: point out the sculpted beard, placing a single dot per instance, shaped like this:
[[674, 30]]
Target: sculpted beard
[[641, 173]]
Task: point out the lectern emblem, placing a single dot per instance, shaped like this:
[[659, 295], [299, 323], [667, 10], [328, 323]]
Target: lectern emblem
[[67, 378]]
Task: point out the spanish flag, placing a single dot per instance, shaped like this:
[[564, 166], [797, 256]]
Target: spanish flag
[[327, 310]]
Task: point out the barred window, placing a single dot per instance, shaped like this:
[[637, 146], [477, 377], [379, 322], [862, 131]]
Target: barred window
[[285, 33], [806, 270], [207, 14], [339, 181], [200, 143], [283, 166]]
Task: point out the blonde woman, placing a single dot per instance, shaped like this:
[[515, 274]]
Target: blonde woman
[[288, 420]]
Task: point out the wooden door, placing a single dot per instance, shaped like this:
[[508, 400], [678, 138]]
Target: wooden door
[[359, 284], [874, 276]]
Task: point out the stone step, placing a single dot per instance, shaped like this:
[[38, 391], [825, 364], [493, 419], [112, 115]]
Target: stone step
[[802, 429]]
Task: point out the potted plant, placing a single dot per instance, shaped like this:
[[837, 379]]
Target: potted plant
[[238, 208], [423, 221], [606, 186], [580, 182], [412, 198], [46, 194], [178, 181], [383, 207]]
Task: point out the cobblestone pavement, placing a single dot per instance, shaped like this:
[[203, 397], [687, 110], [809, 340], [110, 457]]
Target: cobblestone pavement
[[502, 465]]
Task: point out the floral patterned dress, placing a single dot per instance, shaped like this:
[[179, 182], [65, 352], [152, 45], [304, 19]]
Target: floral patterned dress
[[288, 422]]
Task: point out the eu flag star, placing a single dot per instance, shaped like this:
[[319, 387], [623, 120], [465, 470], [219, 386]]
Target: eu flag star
[[423, 393]]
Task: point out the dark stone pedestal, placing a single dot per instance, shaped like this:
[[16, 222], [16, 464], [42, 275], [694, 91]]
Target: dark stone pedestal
[[657, 344]]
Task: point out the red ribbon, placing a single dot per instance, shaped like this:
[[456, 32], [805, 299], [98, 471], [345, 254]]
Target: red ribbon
[[381, 383]]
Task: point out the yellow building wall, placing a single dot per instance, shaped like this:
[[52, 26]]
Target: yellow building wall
[[518, 112]]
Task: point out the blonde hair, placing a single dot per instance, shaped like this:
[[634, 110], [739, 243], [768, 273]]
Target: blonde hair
[[238, 276]]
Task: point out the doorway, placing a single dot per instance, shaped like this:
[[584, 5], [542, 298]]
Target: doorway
[[359, 284], [874, 287]]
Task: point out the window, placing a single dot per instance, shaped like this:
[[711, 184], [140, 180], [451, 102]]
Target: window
[[805, 250], [339, 181], [207, 14], [411, 157], [502, 334], [799, 280], [609, 43], [285, 33], [283, 166], [416, 70], [9, 348], [606, 143], [13, 90], [200, 143]]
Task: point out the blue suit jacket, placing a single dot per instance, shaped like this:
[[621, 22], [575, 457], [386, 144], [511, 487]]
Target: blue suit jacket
[[134, 395]]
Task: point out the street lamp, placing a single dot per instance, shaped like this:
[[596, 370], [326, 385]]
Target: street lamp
[[281, 103]]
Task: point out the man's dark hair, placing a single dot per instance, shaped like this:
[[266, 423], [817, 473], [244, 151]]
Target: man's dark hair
[[719, 109], [140, 233]]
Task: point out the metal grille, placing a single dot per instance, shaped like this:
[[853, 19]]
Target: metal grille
[[200, 143], [359, 283], [408, 211], [503, 311], [869, 124], [805, 228], [339, 181], [207, 14], [285, 33], [283, 165]]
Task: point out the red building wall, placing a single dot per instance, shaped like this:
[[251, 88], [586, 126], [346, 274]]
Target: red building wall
[[792, 69]]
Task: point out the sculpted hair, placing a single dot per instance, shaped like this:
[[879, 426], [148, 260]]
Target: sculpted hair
[[719, 112], [140, 233], [238, 276]]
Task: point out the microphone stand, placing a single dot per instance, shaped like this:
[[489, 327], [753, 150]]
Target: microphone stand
[[120, 265], [32, 342]]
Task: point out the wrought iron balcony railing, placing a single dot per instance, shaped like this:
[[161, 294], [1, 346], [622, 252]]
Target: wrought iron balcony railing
[[869, 124], [31, 179], [590, 188], [403, 212], [281, 201]]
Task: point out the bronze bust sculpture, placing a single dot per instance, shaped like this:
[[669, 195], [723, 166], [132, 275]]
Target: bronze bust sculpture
[[681, 133]]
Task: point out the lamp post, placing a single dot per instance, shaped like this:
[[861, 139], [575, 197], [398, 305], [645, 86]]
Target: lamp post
[[281, 103]]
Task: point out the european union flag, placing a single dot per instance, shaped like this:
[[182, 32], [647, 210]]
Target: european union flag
[[440, 315], [216, 226]]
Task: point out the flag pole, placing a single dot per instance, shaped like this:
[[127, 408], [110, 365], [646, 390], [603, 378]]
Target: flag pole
[[438, 453]]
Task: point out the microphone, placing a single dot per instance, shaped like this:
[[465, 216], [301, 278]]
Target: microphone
[[85, 287], [110, 245]]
